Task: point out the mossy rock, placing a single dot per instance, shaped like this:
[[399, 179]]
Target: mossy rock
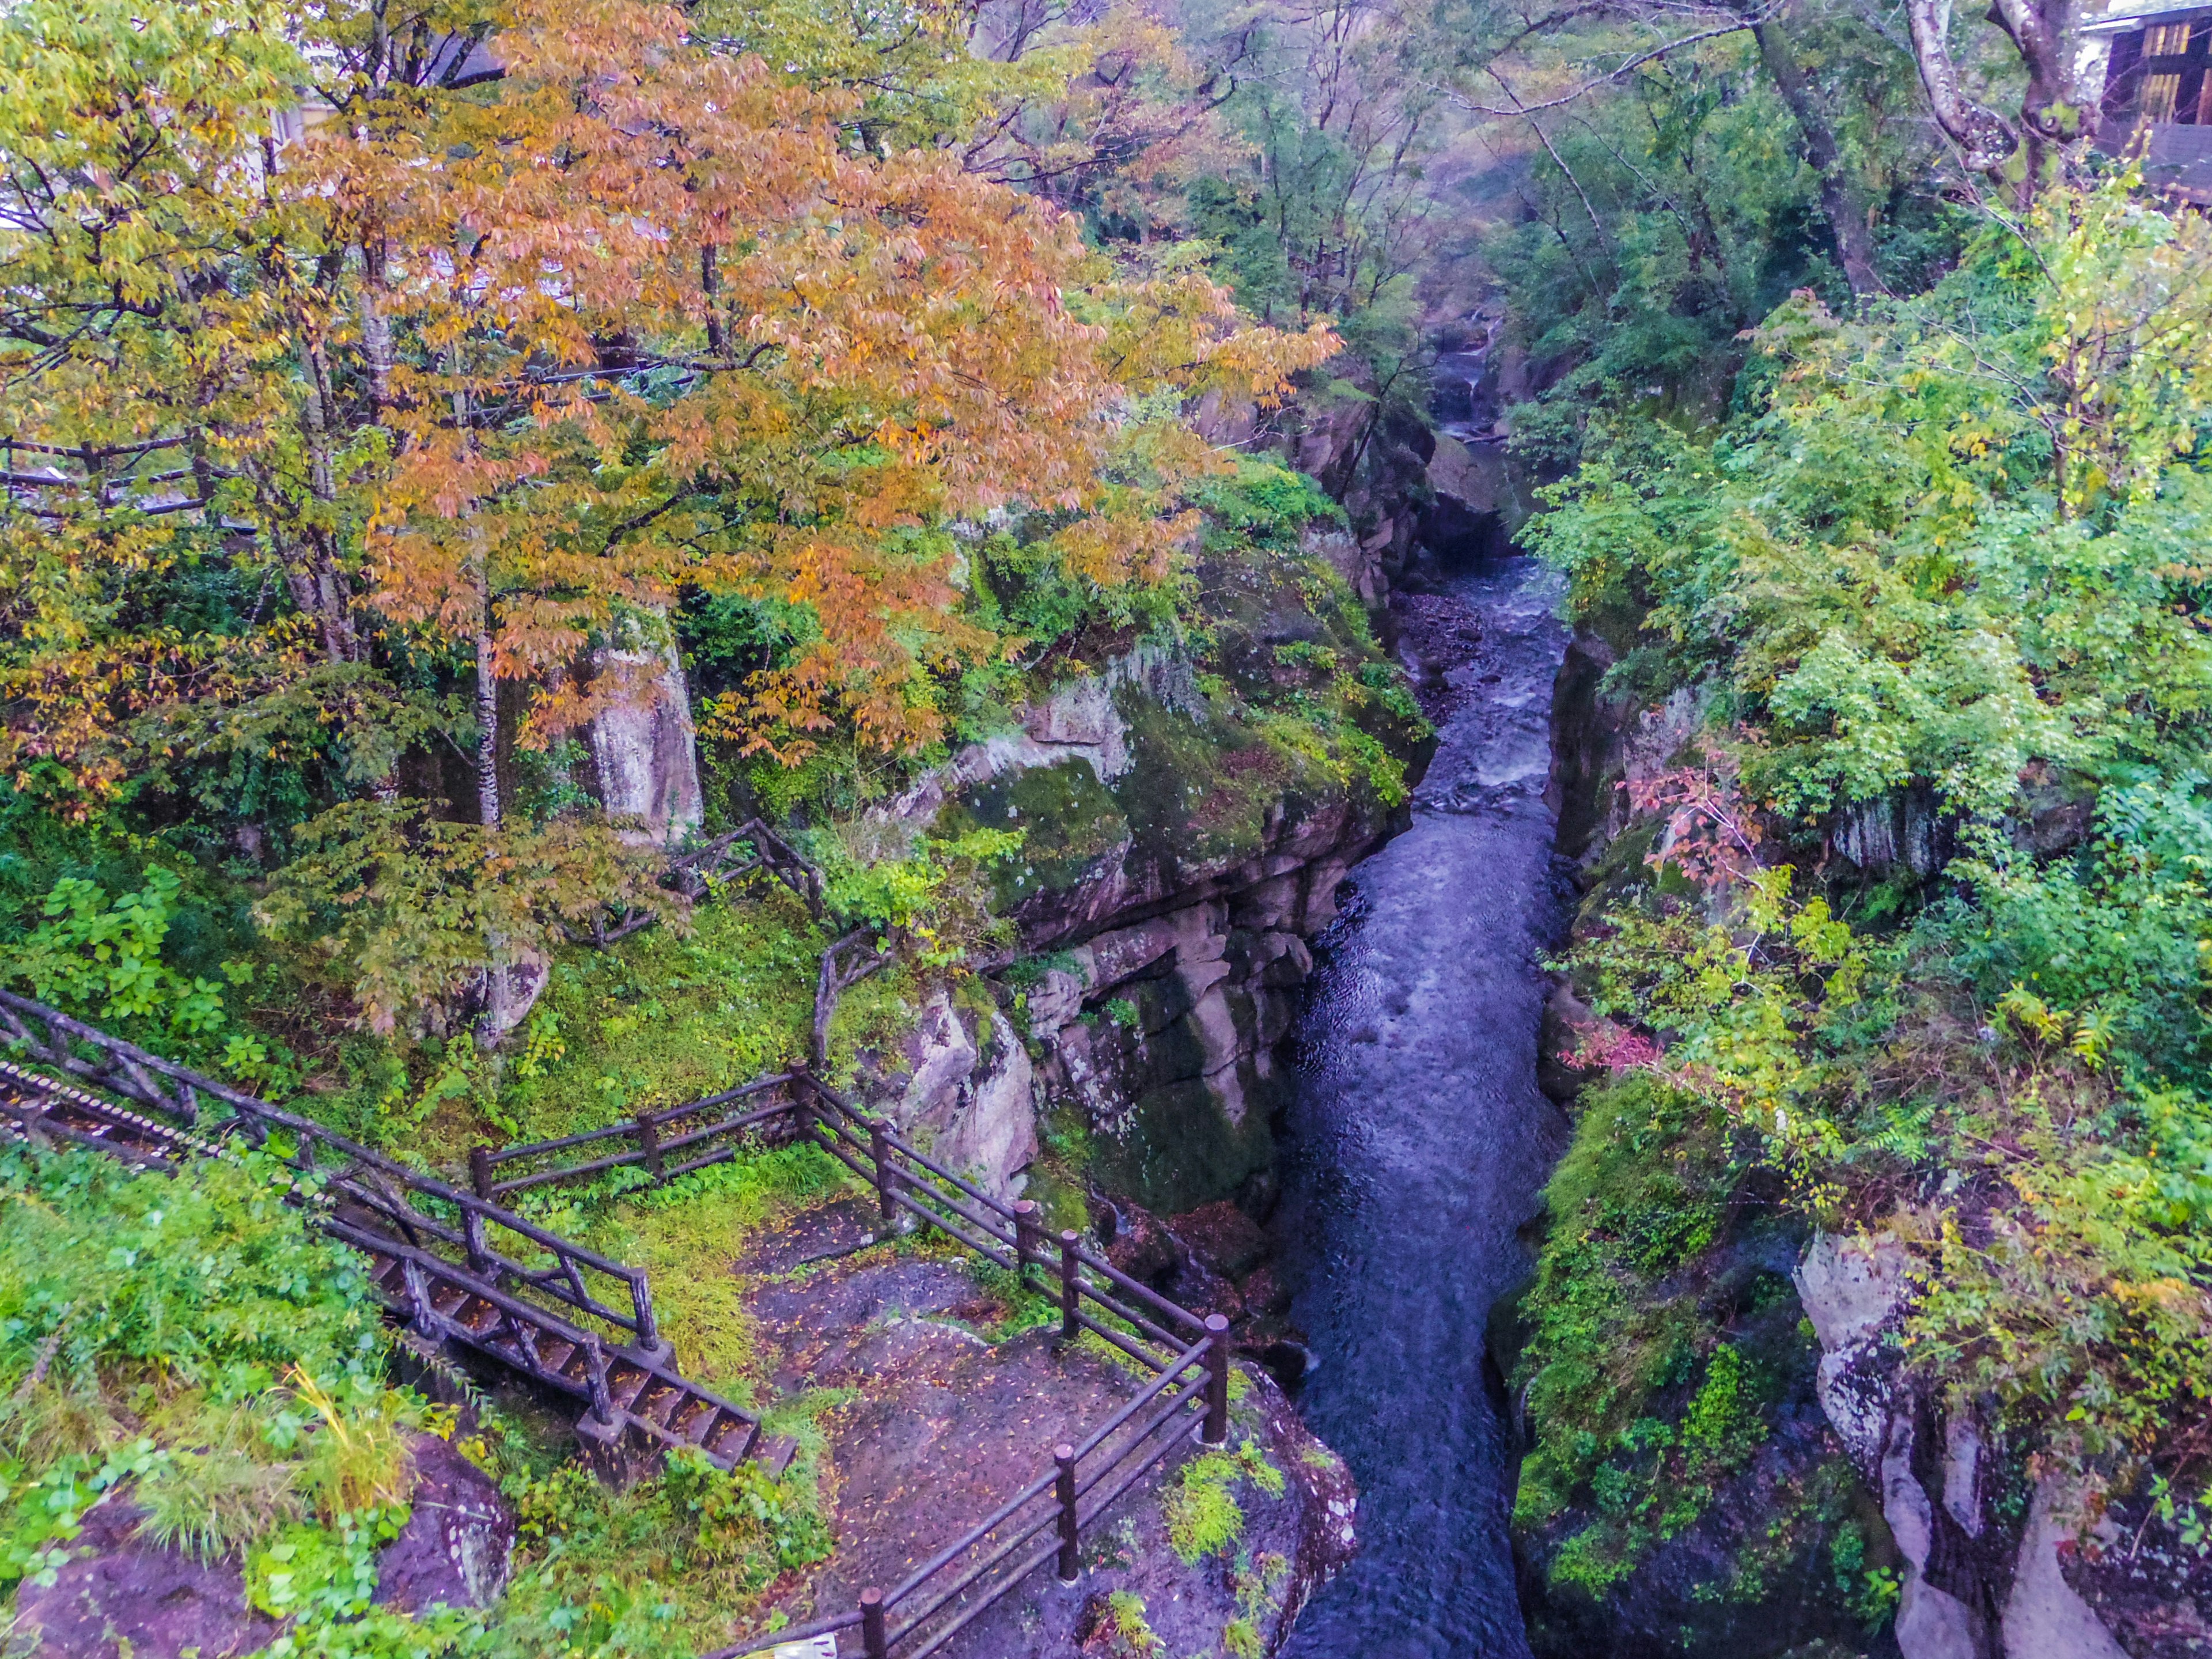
[[1181, 1151], [1071, 822]]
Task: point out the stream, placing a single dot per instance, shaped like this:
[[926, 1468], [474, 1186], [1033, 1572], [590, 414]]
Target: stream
[[1418, 1146]]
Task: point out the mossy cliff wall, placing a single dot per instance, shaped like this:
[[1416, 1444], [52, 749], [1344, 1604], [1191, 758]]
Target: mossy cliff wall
[[1188, 814]]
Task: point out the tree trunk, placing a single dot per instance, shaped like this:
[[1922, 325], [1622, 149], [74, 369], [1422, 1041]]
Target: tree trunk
[[1985, 139], [1841, 199], [376, 327], [487, 727], [510, 988]]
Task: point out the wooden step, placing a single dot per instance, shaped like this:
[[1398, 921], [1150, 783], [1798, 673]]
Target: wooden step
[[556, 1354], [665, 1405], [691, 1421], [773, 1454], [727, 1439], [659, 1402]]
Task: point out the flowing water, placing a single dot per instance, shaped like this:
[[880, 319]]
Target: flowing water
[[1418, 1143]]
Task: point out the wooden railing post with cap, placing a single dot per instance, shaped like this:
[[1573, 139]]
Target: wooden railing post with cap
[[1217, 1380], [648, 1142], [480, 1171], [595, 1373], [1070, 1566], [1029, 1237], [879, 1151], [1071, 1284], [875, 1638]]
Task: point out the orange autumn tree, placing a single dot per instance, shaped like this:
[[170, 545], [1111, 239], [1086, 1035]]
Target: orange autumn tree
[[682, 333], [549, 316]]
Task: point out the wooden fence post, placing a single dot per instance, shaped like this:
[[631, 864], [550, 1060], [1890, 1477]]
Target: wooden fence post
[[472, 1230], [480, 1171], [421, 1312], [648, 1140], [875, 1640], [1217, 1380], [1070, 1566], [1029, 1237], [879, 1148], [640, 1306], [595, 1378], [1071, 1284]]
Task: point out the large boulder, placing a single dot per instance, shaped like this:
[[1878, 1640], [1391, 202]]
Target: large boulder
[[968, 1095], [458, 1545], [121, 1596]]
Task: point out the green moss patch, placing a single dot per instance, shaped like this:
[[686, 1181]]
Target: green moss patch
[[1203, 1515], [1657, 1345]]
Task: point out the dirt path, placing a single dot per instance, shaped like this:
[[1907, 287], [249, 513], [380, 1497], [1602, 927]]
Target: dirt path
[[947, 1412]]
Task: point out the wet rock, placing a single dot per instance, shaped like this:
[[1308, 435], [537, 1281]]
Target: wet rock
[[969, 1095], [1361, 567], [121, 1596], [2054, 815], [1589, 729], [1224, 1237], [1568, 1023], [1141, 1247], [991, 1134], [2149, 1588], [1906, 829], [1853, 1290], [2044, 1617], [456, 1547], [940, 1055]]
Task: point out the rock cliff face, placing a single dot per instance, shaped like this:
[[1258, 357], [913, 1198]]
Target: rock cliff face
[[1994, 1559], [1179, 852], [645, 756], [1980, 1580]]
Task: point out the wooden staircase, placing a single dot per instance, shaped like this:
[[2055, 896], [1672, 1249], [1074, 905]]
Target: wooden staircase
[[430, 1256]]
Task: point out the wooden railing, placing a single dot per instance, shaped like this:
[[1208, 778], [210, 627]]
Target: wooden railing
[[1187, 1397], [496, 1243], [664, 1144], [632, 1391]]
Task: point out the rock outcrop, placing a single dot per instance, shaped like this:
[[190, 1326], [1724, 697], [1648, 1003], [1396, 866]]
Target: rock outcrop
[[644, 755], [968, 1095], [1978, 1582], [122, 1595], [1181, 848], [947, 1412], [458, 1545]]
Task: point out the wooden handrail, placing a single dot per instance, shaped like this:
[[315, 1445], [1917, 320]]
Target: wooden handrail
[[380, 1184], [905, 1180]]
